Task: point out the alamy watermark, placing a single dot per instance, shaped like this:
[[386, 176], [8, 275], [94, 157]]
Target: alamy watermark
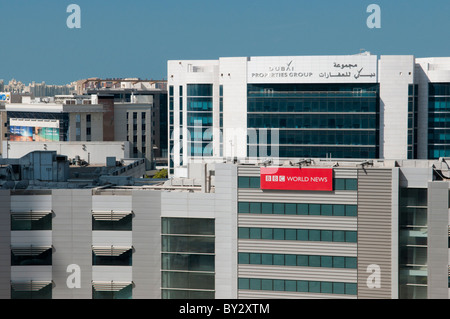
[[374, 19], [74, 19]]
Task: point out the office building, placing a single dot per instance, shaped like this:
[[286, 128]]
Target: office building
[[90, 118], [310, 229], [347, 106]]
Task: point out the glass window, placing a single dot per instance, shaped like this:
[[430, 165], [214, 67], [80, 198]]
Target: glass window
[[339, 184], [244, 207], [290, 260], [302, 209], [350, 262], [278, 233], [339, 262], [254, 182], [351, 184], [326, 287], [314, 261], [255, 208], [302, 234], [339, 235], [267, 233], [244, 283], [350, 289], [290, 234], [314, 235], [255, 233], [327, 235], [327, 210], [350, 236], [351, 210], [278, 208], [266, 284], [290, 285], [302, 286], [291, 209], [326, 261], [314, 209], [243, 258], [339, 210], [338, 288], [244, 232], [243, 182], [314, 286], [267, 259], [255, 284], [278, 285], [302, 260], [255, 259], [266, 208], [278, 259]]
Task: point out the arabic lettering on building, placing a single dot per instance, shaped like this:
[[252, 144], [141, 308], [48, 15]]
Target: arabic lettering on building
[[287, 71]]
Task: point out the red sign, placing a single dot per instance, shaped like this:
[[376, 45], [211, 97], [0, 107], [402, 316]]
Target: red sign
[[294, 178]]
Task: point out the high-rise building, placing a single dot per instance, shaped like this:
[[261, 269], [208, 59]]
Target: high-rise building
[[349, 106]]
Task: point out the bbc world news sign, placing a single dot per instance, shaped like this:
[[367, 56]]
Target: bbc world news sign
[[294, 178], [5, 97]]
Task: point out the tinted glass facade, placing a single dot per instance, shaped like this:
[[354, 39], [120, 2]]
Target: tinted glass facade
[[438, 120], [200, 118], [188, 258], [413, 105], [413, 243], [314, 120]]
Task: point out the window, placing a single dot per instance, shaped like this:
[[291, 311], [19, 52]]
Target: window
[[317, 287], [188, 257], [297, 234], [294, 209]]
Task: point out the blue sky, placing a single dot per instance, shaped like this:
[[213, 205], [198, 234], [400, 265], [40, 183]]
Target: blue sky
[[135, 38]]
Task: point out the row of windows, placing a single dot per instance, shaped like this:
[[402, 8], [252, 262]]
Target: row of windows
[[187, 262], [199, 119], [324, 287], [199, 104], [439, 88], [297, 234], [46, 293], [312, 120], [312, 104], [201, 149], [311, 151], [199, 90], [315, 137], [297, 260], [436, 151], [186, 294], [187, 280], [297, 209], [439, 136], [339, 183], [439, 104], [45, 258], [45, 223]]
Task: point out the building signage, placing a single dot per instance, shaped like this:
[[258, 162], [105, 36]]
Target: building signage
[[33, 130], [5, 97], [317, 69], [294, 178]]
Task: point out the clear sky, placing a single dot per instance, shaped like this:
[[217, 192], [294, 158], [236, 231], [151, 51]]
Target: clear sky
[[135, 38]]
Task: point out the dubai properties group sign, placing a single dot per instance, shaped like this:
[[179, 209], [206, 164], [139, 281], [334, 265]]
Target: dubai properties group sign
[[292, 178]]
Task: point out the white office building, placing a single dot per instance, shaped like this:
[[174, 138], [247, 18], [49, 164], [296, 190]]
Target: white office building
[[347, 106]]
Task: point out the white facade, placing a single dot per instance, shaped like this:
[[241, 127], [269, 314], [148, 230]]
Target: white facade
[[394, 74]]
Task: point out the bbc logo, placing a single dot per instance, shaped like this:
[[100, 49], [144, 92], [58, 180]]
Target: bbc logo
[[275, 178]]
